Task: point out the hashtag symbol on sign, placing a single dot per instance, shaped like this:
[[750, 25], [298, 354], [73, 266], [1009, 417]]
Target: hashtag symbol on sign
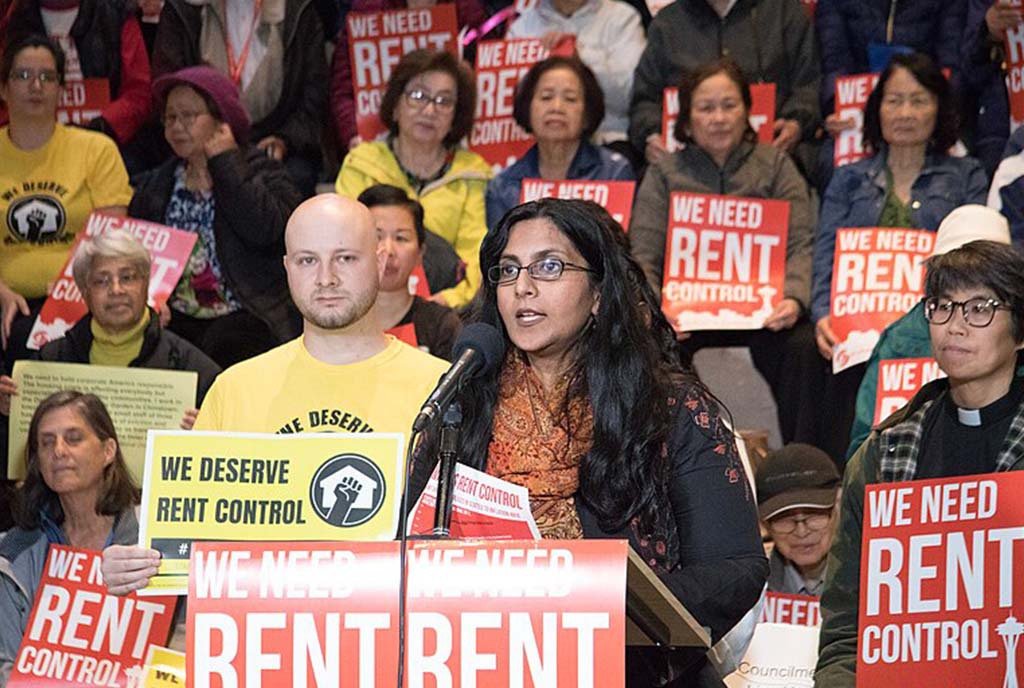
[[183, 549]]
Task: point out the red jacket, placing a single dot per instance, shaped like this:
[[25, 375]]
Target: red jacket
[[343, 109]]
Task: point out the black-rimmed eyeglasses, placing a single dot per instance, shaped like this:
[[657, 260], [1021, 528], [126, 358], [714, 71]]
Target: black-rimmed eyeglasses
[[977, 312], [545, 270]]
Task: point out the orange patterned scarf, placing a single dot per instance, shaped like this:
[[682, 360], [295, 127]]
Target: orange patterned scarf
[[538, 442]]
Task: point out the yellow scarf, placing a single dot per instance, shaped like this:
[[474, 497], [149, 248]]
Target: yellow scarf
[[117, 349]]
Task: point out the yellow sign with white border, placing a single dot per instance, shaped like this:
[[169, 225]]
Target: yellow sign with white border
[[221, 486]]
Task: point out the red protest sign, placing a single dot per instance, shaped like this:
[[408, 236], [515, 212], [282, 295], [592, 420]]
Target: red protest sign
[[940, 598], [170, 249], [78, 635], [725, 261], [762, 111], [851, 96], [499, 67], [615, 196], [83, 100], [877, 276], [1014, 50], [761, 116], [899, 379], [477, 614], [405, 333], [376, 43], [783, 608]]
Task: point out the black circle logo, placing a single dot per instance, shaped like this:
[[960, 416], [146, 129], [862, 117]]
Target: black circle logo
[[347, 490], [36, 219]]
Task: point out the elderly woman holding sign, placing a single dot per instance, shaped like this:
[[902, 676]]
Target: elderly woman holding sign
[[77, 492], [967, 424], [721, 156], [910, 122], [232, 302], [561, 103], [592, 411], [51, 178], [428, 108]]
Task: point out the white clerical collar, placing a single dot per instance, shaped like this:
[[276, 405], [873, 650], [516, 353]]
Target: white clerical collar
[[971, 417]]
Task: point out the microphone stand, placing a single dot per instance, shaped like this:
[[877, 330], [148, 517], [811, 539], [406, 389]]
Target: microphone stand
[[448, 454]]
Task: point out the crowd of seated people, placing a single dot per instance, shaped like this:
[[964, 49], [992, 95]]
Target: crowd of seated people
[[225, 116]]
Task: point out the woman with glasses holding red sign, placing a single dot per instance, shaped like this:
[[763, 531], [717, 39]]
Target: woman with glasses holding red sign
[[51, 177], [428, 108], [966, 424]]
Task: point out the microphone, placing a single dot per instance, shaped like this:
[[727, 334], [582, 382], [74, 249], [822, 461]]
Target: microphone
[[479, 348]]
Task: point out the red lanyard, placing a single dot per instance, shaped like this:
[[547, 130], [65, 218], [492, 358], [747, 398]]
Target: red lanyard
[[235, 67]]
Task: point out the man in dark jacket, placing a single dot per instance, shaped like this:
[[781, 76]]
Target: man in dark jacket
[[771, 40], [281, 70], [112, 272]]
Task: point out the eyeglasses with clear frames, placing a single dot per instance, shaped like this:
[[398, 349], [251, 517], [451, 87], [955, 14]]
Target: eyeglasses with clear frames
[[186, 119], [107, 280], [813, 522], [25, 75], [418, 98], [977, 312], [545, 270]]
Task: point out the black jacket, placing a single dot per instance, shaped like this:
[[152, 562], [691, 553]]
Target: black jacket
[[253, 197], [161, 349], [302, 107]]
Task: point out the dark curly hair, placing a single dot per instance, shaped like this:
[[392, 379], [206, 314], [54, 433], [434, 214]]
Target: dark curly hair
[[928, 74], [626, 363], [419, 62], [593, 96], [34, 497], [25, 42]]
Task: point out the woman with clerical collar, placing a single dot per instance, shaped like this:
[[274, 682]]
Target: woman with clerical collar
[[968, 423]]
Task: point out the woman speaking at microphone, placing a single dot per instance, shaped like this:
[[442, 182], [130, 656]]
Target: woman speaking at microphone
[[591, 411]]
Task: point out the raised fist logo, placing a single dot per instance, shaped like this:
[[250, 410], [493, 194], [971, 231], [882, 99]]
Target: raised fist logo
[[36, 219], [347, 490]]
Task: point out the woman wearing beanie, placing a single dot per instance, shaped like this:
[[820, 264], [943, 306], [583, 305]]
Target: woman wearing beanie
[[232, 301]]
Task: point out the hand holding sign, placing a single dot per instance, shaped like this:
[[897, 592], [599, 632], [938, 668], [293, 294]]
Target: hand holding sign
[[127, 568], [1001, 17]]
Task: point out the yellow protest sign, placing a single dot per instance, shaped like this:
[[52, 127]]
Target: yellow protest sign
[[220, 486], [138, 400], [165, 668]]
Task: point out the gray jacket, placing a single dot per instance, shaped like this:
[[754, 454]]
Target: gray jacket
[[22, 557], [771, 40], [753, 170]]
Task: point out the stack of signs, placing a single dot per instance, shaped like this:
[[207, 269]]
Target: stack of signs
[[762, 114], [725, 261], [83, 100], [78, 635], [500, 65], [899, 379], [614, 196], [877, 276], [1014, 48], [940, 598], [169, 248], [483, 507], [784, 648], [377, 41], [851, 96], [544, 613]]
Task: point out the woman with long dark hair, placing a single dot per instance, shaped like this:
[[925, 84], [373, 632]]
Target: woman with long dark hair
[[77, 491], [591, 411]]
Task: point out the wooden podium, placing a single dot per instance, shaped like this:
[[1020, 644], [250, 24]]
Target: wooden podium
[[654, 616]]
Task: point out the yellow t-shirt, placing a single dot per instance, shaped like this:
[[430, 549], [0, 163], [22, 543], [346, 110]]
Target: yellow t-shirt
[[287, 390], [45, 197]]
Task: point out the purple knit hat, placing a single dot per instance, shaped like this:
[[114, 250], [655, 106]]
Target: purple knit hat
[[218, 87]]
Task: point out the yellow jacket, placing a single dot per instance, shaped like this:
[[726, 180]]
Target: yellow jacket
[[453, 205]]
